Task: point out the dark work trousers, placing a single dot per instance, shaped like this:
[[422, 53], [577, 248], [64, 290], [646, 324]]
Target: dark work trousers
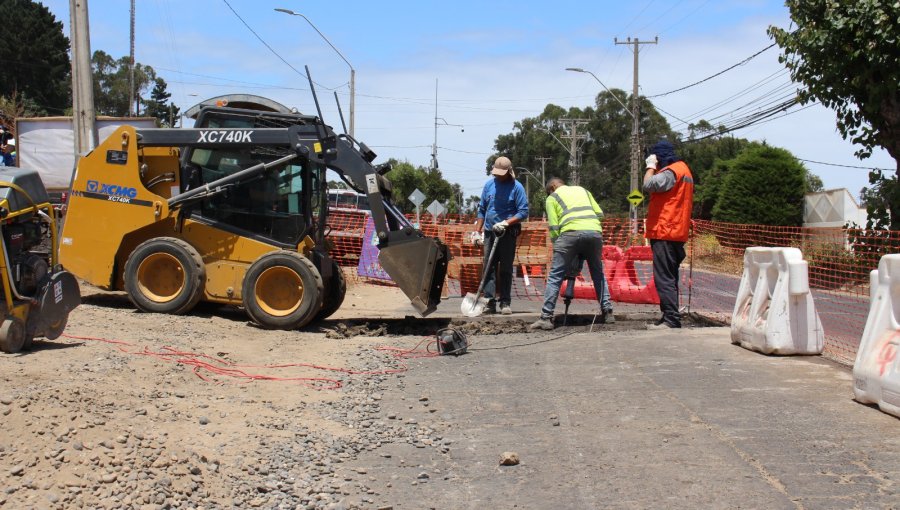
[[667, 256], [498, 285], [568, 248]]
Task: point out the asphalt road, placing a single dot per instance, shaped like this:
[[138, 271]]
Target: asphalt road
[[634, 419]]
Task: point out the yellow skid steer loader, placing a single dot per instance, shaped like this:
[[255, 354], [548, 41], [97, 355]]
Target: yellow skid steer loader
[[235, 211]]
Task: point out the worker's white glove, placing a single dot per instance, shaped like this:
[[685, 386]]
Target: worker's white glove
[[651, 161], [476, 238], [500, 228]]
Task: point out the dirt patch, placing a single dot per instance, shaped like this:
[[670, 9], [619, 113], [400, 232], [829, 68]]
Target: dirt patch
[[487, 325]]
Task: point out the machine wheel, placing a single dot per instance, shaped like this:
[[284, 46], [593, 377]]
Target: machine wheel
[[165, 275], [333, 295], [282, 290], [12, 335]]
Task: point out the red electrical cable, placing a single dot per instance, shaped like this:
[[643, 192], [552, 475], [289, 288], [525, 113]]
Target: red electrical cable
[[204, 363]]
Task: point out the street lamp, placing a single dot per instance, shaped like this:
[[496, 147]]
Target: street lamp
[[635, 127], [352, 70], [580, 70]]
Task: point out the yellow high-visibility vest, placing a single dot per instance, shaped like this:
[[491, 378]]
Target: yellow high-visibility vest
[[572, 208]]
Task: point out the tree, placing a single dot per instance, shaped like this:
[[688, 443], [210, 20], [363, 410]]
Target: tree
[[159, 105], [111, 84], [813, 182], [708, 158], [605, 168], [472, 204], [35, 56], [763, 186], [847, 56], [15, 106], [405, 178]]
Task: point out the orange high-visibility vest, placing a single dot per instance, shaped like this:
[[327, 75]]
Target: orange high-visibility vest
[[669, 214]]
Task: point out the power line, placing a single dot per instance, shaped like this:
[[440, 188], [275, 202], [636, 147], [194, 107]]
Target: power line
[[846, 166], [638, 15], [660, 17], [271, 48], [754, 119], [771, 93], [680, 22], [742, 62]]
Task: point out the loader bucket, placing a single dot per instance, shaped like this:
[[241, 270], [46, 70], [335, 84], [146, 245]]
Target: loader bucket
[[418, 266]]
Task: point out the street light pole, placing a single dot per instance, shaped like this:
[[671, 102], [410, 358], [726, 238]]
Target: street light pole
[[352, 70], [632, 213], [580, 70]]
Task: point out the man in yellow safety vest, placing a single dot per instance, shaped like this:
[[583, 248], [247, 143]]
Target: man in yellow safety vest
[[574, 219]]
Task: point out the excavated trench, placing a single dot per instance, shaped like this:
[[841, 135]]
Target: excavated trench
[[489, 325]]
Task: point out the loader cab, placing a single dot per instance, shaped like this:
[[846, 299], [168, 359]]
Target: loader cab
[[279, 206]]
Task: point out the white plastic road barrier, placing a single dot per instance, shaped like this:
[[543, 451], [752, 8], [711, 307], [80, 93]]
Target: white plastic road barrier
[[774, 312], [876, 372]]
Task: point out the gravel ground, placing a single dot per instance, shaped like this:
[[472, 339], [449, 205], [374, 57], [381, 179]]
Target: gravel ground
[[122, 413]]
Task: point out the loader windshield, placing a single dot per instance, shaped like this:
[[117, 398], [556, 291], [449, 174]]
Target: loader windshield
[[274, 204], [280, 204]]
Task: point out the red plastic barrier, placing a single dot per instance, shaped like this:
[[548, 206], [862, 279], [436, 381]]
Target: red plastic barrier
[[612, 257], [583, 289], [625, 286]]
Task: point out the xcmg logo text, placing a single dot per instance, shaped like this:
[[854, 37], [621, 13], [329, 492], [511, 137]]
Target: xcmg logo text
[[113, 190]]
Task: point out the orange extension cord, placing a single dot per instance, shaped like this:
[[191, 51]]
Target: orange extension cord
[[205, 364]]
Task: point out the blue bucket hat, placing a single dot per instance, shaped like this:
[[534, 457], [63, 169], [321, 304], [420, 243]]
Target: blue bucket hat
[[665, 153]]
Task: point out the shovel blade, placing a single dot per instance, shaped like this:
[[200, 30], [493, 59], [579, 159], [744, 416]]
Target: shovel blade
[[472, 305]]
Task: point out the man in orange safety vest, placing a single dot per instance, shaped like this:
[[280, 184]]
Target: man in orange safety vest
[[670, 184]]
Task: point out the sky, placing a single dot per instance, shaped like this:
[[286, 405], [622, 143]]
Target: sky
[[478, 67]]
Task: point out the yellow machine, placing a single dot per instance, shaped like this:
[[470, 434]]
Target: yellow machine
[[234, 211], [37, 293]]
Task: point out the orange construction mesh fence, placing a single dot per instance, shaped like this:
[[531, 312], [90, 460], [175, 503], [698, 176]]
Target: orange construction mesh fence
[[840, 261]]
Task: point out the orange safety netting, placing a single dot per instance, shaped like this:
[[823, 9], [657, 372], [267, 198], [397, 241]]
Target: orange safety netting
[[840, 261]]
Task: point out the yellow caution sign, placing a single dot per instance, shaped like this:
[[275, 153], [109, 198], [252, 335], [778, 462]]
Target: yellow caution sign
[[635, 197]]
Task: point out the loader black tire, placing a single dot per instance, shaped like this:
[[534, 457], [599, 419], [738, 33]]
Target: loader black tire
[[12, 335], [282, 290], [333, 295], [165, 275]]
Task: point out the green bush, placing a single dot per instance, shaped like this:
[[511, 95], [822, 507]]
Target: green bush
[[764, 186]]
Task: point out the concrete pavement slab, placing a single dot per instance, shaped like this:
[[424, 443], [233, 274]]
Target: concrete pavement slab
[[636, 419]]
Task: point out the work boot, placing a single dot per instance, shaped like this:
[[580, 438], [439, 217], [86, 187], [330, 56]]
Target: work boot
[[545, 324], [661, 327], [491, 307], [606, 317], [505, 309]]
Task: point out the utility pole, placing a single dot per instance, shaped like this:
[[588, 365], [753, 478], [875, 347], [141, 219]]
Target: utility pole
[[131, 106], [635, 126], [434, 161], [82, 81], [575, 139], [543, 160], [442, 122]]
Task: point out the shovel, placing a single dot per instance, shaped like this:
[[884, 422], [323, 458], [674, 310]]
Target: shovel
[[473, 304]]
